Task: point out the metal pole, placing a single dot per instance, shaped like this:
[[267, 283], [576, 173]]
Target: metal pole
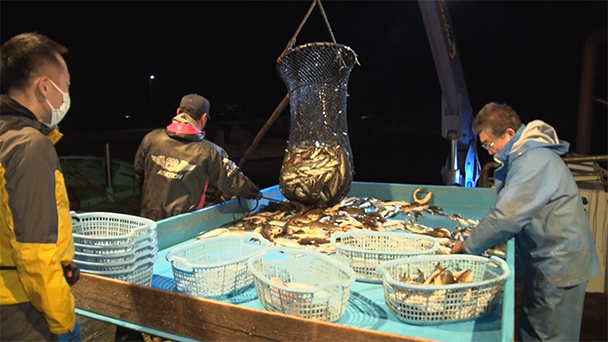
[[151, 101], [109, 185], [587, 89]]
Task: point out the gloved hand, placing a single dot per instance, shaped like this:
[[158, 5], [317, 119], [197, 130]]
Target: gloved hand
[[71, 273], [225, 197]]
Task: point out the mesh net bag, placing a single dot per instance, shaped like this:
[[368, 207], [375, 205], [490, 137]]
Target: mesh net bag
[[318, 165]]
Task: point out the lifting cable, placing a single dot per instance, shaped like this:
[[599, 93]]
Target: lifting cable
[[292, 41], [279, 109]]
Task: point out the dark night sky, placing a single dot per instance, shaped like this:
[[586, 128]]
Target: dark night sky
[[524, 53]]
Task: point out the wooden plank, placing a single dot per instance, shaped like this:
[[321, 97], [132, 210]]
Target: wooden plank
[[208, 320]]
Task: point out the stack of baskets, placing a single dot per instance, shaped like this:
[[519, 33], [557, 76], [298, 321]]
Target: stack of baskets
[[216, 267], [115, 245], [363, 251]]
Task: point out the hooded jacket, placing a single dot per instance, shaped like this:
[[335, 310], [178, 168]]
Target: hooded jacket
[[35, 223], [177, 164], [540, 204]]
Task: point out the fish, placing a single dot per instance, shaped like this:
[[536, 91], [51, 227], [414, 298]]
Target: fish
[[315, 175], [439, 232], [435, 273], [425, 199], [444, 277], [464, 276]]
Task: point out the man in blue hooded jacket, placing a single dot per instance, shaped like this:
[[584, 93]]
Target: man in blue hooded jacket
[[540, 205]]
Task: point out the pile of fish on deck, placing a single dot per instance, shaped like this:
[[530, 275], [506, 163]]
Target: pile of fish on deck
[[292, 224]]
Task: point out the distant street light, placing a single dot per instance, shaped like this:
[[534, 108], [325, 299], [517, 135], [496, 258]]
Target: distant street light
[[151, 101]]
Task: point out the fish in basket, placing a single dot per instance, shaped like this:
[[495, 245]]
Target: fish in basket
[[363, 251], [435, 289], [216, 267], [302, 283]]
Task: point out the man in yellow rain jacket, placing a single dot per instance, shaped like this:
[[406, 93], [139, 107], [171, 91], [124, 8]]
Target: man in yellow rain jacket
[[36, 243]]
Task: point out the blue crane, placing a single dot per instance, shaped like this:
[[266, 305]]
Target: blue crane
[[462, 164]]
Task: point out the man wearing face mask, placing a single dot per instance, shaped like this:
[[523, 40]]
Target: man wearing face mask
[[36, 244]]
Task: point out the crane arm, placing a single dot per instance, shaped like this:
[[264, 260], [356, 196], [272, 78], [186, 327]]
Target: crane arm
[[462, 164]]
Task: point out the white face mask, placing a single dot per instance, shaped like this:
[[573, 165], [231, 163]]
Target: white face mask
[[57, 114]]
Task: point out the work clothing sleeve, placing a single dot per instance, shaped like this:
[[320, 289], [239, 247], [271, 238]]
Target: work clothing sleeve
[[529, 186], [139, 162], [42, 239], [229, 178]]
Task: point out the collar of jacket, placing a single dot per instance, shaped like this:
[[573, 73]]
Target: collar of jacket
[[502, 156], [15, 115], [185, 131]]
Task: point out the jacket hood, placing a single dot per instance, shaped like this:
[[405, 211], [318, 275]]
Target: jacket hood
[[535, 134], [540, 134]]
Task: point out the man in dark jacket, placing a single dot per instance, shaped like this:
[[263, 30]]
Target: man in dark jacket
[[177, 165]]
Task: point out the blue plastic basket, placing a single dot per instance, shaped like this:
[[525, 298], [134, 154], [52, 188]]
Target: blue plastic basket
[[435, 304], [302, 283], [363, 251], [217, 266]]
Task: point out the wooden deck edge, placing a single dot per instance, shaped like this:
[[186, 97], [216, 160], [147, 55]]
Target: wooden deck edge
[[208, 320]]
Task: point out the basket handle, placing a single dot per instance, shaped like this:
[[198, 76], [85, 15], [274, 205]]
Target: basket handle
[[173, 258], [74, 216], [497, 262], [337, 235]]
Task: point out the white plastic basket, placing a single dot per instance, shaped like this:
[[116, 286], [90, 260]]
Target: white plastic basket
[[302, 283], [435, 304], [146, 247], [116, 264], [109, 229], [139, 273], [364, 251], [217, 266], [117, 250]]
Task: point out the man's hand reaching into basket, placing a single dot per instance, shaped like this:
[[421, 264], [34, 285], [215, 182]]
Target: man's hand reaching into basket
[[458, 248]]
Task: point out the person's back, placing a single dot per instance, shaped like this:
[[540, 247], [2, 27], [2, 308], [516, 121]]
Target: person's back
[[177, 165]]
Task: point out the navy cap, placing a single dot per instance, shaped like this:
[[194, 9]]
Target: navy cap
[[199, 105]]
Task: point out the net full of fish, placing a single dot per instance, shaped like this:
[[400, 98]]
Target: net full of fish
[[317, 167], [315, 175]]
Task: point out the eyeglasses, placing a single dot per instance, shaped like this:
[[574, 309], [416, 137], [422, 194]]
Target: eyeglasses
[[491, 145], [488, 146]]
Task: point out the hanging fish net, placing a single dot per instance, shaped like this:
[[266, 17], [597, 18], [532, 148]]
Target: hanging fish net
[[318, 164]]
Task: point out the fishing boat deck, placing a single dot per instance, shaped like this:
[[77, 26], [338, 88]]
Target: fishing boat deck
[[366, 308]]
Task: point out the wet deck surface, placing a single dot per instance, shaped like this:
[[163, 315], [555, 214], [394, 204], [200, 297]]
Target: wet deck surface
[[594, 327]]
